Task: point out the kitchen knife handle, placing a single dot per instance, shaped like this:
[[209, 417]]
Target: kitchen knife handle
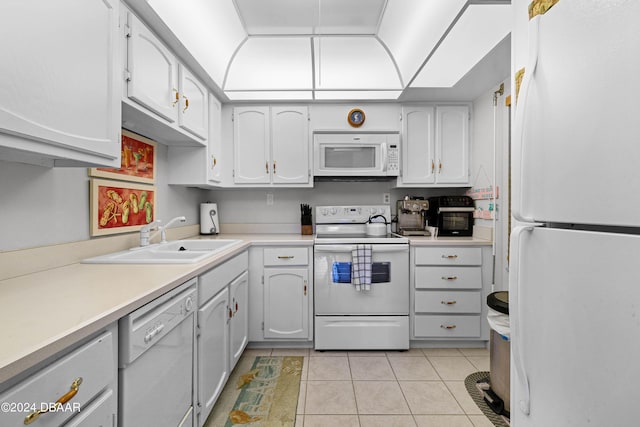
[[73, 390]]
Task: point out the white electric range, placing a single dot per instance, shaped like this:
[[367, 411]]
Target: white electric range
[[348, 317]]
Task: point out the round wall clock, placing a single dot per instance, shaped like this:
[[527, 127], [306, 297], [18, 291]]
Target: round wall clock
[[356, 117]]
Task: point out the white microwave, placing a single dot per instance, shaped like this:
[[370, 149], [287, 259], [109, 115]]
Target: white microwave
[[356, 154]]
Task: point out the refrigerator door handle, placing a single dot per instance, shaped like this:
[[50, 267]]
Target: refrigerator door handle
[[521, 380], [519, 128]]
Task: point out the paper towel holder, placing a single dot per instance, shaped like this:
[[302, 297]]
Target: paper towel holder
[[209, 222]]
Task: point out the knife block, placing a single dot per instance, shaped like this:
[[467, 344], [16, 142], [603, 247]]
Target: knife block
[[306, 225]]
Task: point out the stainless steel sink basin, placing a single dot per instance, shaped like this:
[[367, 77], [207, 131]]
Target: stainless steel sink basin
[[176, 252]]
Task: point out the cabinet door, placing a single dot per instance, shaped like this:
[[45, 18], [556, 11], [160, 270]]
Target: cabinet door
[[214, 167], [452, 136], [213, 351], [60, 86], [153, 80], [100, 413], [193, 115], [418, 162], [239, 325], [286, 303], [290, 145], [251, 145]]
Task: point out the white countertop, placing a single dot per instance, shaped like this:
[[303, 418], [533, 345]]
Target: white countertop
[[42, 313]]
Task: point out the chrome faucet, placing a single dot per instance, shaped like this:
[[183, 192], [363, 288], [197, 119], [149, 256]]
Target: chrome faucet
[[145, 232], [163, 229]]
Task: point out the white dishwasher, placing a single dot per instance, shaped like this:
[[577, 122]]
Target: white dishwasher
[[156, 361]]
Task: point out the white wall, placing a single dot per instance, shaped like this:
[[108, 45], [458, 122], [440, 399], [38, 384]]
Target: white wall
[[45, 206]]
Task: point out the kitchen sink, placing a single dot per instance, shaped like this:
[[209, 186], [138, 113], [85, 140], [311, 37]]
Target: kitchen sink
[[176, 252]]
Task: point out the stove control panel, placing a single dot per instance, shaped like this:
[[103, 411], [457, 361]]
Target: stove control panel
[[350, 214]]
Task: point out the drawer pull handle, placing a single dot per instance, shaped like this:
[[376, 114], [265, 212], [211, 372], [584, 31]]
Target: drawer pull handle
[[449, 256], [285, 256], [305, 288], [448, 326], [449, 277], [448, 302], [73, 390]]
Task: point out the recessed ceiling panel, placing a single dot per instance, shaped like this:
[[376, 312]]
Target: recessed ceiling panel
[[210, 30], [478, 30], [271, 63], [298, 17], [353, 63], [412, 28]]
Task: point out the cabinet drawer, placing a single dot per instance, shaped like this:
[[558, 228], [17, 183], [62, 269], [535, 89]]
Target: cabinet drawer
[[448, 277], [286, 256], [448, 256], [448, 302], [214, 280], [94, 362], [454, 326]]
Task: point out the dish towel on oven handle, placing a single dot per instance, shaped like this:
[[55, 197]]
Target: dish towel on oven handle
[[361, 267]]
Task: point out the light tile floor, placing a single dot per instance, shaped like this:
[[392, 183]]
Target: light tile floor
[[415, 388]]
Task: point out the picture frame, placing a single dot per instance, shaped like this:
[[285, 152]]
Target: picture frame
[[112, 208], [138, 160]]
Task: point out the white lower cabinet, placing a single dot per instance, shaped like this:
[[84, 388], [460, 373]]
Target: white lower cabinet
[[221, 329], [286, 307], [239, 323], [449, 290], [281, 305], [84, 381], [213, 351]]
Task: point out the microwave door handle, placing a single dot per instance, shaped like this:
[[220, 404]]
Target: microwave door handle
[[383, 148]]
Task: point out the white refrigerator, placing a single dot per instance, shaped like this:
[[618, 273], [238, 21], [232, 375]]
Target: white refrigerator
[[574, 284]]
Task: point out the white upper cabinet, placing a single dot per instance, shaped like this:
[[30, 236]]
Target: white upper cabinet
[[60, 87], [452, 137], [271, 146], [251, 129], [193, 104], [435, 145], [163, 99], [152, 72], [418, 145], [290, 145]]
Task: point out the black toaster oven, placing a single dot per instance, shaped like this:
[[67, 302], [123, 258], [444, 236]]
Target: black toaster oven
[[453, 215]]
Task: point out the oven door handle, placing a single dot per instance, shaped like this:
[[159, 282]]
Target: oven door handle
[[374, 248], [460, 209]]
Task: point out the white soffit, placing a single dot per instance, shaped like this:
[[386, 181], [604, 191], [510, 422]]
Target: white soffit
[[412, 28], [356, 95], [271, 63], [347, 63], [210, 30], [478, 30], [299, 17], [269, 95]]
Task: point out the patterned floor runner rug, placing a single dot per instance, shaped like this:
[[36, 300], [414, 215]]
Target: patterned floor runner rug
[[264, 394]]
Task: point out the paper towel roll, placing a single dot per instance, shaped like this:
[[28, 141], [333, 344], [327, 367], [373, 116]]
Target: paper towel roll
[[209, 222]]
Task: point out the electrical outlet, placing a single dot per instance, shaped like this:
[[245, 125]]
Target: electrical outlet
[[269, 199], [386, 198]]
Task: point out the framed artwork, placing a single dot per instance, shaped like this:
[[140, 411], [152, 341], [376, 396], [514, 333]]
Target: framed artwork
[[138, 160], [120, 207]]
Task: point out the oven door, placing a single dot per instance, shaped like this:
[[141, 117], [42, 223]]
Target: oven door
[[336, 295], [455, 223]]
